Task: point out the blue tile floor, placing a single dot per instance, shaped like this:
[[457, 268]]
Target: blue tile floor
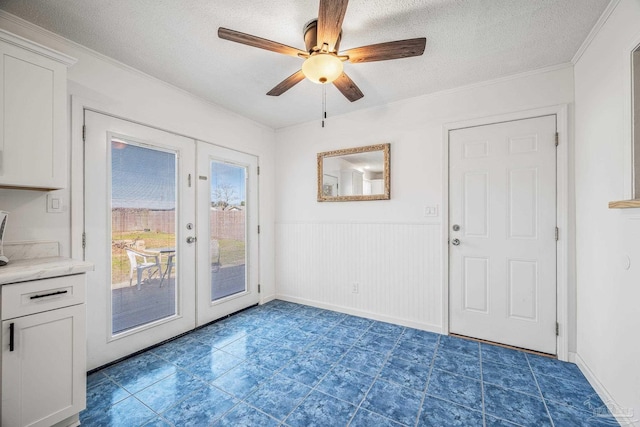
[[285, 364]]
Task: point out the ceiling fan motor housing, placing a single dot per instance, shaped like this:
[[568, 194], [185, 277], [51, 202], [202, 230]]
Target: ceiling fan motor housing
[[310, 32]]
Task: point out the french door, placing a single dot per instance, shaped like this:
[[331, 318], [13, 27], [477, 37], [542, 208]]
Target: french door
[[227, 231], [502, 237], [142, 193]]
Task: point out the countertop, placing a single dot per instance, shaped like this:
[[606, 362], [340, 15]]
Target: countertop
[[41, 268]]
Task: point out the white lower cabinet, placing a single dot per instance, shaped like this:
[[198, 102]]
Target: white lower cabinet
[[43, 352]]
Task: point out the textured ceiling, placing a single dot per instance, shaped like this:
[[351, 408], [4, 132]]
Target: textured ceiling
[[468, 41]]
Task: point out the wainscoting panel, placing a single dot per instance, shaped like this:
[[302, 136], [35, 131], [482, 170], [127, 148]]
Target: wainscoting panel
[[396, 269]]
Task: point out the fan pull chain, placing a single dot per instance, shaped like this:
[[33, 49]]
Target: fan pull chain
[[324, 103]]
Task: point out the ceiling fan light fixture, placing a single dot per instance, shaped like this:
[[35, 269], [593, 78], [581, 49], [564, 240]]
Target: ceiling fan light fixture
[[322, 68]]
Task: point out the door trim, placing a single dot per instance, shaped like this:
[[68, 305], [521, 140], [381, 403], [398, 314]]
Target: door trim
[[565, 243], [77, 106]]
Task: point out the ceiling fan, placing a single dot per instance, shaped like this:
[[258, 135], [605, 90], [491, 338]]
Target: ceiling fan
[[323, 63]]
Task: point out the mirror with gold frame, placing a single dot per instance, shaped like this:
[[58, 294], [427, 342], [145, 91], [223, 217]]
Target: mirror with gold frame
[[361, 173]]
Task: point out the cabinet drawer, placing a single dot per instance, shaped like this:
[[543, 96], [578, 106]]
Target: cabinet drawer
[[22, 299]]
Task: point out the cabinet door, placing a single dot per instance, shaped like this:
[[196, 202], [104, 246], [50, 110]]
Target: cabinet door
[[44, 377], [32, 123]]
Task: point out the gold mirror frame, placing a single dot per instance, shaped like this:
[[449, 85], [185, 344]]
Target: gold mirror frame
[[386, 195]]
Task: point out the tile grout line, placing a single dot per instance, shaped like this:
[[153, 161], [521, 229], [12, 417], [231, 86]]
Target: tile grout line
[[198, 338], [544, 401], [333, 365], [292, 328], [210, 384], [240, 400], [484, 412], [426, 386], [377, 376], [333, 326], [276, 372], [311, 388]]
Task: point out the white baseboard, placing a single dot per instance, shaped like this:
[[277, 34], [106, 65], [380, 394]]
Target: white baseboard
[[265, 299], [621, 414], [361, 313]]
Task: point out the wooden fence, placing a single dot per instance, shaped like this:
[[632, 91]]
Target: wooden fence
[[224, 224]]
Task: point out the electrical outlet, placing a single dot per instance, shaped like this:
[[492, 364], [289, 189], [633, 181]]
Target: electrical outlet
[[431, 210], [355, 287]]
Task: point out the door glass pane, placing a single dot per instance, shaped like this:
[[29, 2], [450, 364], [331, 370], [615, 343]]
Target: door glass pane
[[228, 230], [143, 235]]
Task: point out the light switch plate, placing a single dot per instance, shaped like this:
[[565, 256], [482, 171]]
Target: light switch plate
[[54, 203]]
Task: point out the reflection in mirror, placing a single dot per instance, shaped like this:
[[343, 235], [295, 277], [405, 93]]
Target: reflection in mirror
[[360, 173]]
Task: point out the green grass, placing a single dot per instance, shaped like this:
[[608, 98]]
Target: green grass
[[120, 262], [232, 252]]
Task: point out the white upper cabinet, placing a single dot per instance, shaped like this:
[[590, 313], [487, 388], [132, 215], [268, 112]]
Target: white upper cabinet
[[33, 114]]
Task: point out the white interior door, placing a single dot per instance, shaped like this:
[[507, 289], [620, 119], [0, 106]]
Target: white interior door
[[227, 231], [139, 200], [502, 233]]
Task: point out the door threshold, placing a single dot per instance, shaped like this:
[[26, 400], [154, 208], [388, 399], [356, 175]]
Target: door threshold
[[511, 347]]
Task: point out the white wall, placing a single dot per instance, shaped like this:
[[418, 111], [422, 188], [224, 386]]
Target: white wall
[[608, 294], [388, 247], [135, 96]]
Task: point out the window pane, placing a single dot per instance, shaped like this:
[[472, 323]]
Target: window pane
[[228, 230], [143, 241]]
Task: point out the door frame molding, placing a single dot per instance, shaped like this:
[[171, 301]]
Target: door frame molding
[[78, 104], [565, 242]]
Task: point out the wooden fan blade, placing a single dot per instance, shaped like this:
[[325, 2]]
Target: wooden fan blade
[[348, 88], [287, 84], [248, 39], [385, 51], [330, 18]]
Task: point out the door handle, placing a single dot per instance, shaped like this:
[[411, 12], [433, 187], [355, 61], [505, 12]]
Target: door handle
[[455, 242], [191, 239]]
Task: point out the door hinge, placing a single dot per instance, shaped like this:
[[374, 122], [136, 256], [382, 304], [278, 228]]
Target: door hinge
[[258, 287], [84, 133], [189, 180], [557, 329], [258, 229], [258, 170], [557, 234], [557, 139], [84, 240]]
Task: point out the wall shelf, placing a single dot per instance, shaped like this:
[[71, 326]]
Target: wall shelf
[[625, 204]]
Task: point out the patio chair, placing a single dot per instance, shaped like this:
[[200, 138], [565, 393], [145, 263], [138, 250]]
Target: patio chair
[[167, 272], [140, 266], [214, 246]]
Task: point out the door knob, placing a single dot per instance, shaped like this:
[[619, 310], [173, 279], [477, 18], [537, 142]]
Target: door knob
[[456, 227], [191, 239], [455, 242]]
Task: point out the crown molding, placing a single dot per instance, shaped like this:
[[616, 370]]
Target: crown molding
[[23, 43], [595, 30], [30, 26]]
